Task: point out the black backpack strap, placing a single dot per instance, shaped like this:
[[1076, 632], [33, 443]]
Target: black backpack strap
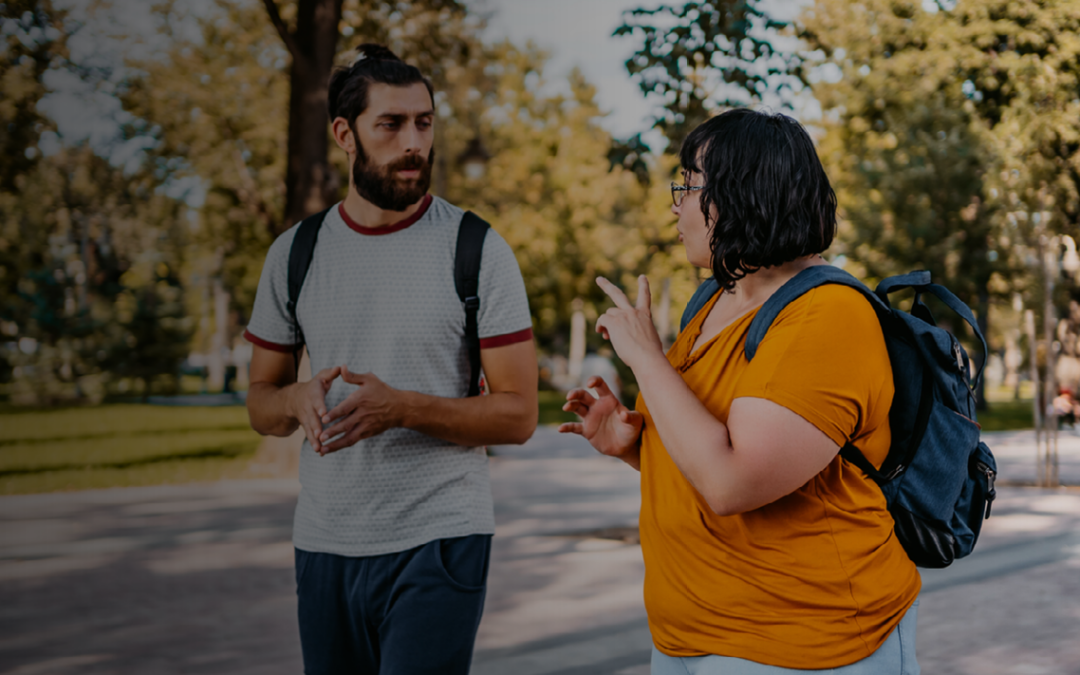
[[701, 296], [300, 254], [470, 248], [795, 287], [855, 456]]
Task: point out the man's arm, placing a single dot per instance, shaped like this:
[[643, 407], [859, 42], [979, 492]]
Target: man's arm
[[277, 404], [507, 415]]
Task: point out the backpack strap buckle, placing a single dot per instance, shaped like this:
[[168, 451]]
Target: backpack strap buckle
[[900, 468]]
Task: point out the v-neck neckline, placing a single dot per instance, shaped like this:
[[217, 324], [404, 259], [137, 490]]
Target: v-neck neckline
[[694, 352]]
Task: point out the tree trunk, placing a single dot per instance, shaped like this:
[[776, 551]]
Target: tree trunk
[[983, 319], [310, 182]]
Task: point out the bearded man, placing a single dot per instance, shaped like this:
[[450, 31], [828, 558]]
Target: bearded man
[[394, 520]]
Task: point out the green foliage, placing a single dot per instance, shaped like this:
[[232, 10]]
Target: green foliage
[[78, 242], [552, 192], [704, 56], [953, 136], [216, 107], [33, 42], [156, 331], [631, 154], [907, 161]]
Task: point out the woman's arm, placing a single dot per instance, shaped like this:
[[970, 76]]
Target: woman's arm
[[764, 452]]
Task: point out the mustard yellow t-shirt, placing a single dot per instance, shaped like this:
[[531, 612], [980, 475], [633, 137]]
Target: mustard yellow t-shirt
[[816, 579]]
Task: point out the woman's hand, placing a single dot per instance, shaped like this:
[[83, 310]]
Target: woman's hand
[[606, 423], [630, 327]]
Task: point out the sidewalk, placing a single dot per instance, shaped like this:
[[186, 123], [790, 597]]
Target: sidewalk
[[1016, 456], [198, 578]]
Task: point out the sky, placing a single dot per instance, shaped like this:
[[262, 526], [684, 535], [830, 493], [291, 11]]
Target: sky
[[578, 33]]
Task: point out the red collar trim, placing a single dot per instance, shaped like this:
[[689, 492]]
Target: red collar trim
[[387, 229]]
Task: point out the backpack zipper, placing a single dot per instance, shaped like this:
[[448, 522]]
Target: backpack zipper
[[990, 476]]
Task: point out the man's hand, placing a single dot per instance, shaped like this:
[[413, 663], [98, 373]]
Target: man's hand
[[307, 404], [607, 424], [367, 412]]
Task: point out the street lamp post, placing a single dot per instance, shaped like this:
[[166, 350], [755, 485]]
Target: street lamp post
[[474, 159]]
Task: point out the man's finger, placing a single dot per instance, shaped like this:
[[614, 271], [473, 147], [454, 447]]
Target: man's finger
[[348, 440], [340, 427], [327, 375], [572, 428], [614, 292], [341, 410], [351, 377], [644, 295], [309, 424]]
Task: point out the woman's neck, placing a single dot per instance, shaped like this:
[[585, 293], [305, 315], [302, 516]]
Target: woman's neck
[[756, 287]]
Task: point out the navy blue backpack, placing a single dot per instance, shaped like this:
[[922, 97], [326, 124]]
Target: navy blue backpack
[[938, 478]]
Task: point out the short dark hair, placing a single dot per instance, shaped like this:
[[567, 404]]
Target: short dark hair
[[772, 200], [348, 95]]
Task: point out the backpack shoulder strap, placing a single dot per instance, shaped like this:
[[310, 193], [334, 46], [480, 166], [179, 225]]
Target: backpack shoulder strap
[[300, 254], [470, 248], [806, 280], [704, 292]]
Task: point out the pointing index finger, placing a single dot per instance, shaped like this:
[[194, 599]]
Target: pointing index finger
[[614, 292]]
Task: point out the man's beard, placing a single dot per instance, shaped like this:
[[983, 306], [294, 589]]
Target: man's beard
[[380, 185]]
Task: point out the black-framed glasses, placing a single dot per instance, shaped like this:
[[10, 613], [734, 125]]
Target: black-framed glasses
[[680, 191]]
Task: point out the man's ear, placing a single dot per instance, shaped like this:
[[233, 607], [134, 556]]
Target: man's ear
[[343, 135]]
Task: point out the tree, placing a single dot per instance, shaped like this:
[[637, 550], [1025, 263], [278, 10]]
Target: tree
[[84, 231], [312, 44], [705, 56], [217, 110], [34, 41], [945, 128], [551, 190]]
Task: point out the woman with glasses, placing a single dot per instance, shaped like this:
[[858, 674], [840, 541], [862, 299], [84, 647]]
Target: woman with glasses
[[764, 551]]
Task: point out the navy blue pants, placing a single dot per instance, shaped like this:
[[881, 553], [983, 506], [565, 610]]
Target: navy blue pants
[[405, 613]]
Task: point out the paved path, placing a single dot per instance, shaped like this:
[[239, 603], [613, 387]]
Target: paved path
[[198, 578]]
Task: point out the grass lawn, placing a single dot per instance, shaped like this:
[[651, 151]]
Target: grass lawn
[[121, 445], [551, 412], [1006, 415]]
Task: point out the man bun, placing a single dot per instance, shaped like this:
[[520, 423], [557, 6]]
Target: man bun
[[375, 52], [347, 94]]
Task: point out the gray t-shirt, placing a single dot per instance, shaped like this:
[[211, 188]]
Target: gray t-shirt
[[383, 301]]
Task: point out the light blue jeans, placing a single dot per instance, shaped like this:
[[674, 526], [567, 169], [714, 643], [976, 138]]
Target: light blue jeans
[[896, 656]]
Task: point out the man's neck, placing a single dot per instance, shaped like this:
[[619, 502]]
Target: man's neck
[[367, 214]]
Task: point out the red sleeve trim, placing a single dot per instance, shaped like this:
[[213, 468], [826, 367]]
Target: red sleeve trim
[[387, 229], [508, 339], [265, 344]]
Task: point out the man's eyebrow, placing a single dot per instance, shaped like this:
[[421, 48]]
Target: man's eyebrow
[[401, 116]]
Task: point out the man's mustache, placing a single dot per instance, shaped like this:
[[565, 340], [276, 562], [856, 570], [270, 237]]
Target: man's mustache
[[407, 163]]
